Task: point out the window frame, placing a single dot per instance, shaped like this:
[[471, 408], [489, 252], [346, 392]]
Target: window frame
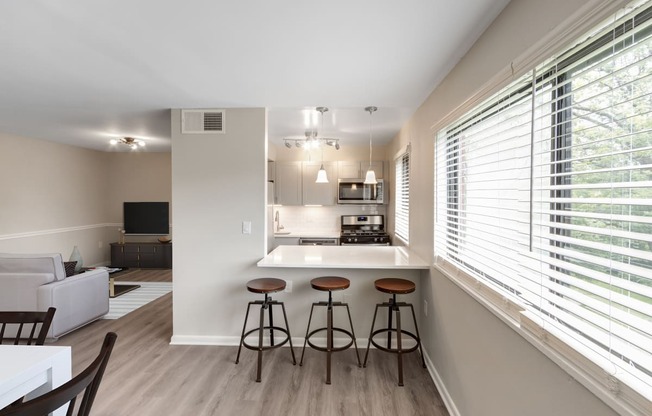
[[511, 309], [402, 157]]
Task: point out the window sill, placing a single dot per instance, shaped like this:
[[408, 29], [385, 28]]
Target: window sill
[[625, 396]]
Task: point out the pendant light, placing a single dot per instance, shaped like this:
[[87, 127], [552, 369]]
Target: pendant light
[[322, 177], [370, 178]]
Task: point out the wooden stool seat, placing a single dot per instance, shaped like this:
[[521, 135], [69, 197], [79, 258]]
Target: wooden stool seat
[[329, 283], [395, 286], [265, 285]]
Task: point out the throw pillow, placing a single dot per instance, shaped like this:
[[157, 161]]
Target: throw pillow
[[70, 267]]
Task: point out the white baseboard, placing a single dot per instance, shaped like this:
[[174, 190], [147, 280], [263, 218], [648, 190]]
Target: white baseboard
[[235, 341], [439, 383]]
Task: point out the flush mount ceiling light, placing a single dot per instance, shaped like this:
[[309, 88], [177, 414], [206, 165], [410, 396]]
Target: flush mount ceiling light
[[312, 141], [129, 141], [370, 179]]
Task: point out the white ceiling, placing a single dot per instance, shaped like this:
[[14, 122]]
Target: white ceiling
[[82, 72]]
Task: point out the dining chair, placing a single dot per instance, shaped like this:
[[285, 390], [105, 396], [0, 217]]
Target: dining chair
[[20, 327], [88, 381]]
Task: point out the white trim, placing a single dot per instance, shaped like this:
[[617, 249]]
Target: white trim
[[580, 22], [403, 150], [441, 387], [39, 233], [230, 341]]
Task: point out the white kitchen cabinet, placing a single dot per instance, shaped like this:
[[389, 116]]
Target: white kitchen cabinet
[[288, 183], [319, 193], [355, 170]]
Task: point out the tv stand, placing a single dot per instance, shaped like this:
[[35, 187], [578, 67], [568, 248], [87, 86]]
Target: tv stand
[[142, 255]]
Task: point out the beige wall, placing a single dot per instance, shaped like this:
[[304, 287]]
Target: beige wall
[[56, 196], [137, 177], [484, 366], [218, 181]]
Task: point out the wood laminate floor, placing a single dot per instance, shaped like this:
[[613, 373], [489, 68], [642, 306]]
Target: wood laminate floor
[[147, 376]]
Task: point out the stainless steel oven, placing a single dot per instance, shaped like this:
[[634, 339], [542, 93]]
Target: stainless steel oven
[[364, 230]]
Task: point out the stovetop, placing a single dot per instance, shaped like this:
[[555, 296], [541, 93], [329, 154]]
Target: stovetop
[[363, 229]]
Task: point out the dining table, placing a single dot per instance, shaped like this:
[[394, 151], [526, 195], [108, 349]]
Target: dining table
[[27, 370]]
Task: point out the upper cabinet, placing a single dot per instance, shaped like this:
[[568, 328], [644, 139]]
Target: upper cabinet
[[294, 182], [319, 193], [354, 170], [288, 183]]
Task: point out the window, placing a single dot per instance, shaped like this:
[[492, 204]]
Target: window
[[402, 200], [544, 192]]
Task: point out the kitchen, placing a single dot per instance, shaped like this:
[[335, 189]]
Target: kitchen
[[303, 211]]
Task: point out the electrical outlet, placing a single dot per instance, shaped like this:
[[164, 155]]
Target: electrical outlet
[[100, 244], [288, 286], [425, 307]]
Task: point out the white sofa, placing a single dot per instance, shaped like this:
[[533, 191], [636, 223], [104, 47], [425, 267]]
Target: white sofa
[[38, 281]]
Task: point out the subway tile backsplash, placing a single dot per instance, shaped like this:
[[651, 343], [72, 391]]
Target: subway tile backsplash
[[326, 218]]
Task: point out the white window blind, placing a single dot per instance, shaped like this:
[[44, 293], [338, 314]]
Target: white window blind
[[402, 199], [544, 192]]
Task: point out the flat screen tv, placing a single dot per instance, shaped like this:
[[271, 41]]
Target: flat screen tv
[[152, 218]]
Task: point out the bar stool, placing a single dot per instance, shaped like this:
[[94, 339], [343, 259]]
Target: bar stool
[[329, 284], [393, 287], [265, 286]]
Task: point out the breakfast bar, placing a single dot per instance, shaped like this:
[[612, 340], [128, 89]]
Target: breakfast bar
[[362, 265]]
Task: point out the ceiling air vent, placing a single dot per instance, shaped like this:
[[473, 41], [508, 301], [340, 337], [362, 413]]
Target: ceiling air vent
[[202, 121]]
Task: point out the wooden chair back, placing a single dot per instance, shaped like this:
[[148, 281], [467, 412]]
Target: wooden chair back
[[88, 381], [20, 327]]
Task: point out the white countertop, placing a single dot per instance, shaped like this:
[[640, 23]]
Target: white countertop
[[343, 257]]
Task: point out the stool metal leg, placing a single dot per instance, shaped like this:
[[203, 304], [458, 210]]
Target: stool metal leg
[[285, 316], [303, 351], [399, 347], [237, 359], [271, 322], [329, 338], [355, 343], [389, 324], [416, 328], [260, 342], [373, 322]]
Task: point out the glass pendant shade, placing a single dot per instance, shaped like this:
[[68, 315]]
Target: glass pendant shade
[[321, 175], [370, 179]]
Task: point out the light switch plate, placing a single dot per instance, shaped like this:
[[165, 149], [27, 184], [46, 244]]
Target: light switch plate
[[246, 227]]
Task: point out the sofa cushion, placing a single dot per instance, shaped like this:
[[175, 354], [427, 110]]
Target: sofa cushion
[[70, 267], [33, 263]]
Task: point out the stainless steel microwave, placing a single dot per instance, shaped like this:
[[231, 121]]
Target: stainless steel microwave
[[355, 191]]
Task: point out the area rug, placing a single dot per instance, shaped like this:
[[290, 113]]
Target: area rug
[[129, 302]]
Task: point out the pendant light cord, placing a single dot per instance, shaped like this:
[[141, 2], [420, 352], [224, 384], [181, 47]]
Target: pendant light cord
[[371, 110]]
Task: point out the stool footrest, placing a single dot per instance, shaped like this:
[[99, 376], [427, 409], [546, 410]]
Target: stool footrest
[[334, 349], [266, 347], [394, 350]]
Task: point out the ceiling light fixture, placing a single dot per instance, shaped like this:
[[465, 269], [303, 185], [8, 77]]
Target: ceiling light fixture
[[322, 177], [370, 179], [312, 141], [129, 141]]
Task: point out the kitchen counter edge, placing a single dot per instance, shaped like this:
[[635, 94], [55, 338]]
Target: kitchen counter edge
[[343, 257]]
